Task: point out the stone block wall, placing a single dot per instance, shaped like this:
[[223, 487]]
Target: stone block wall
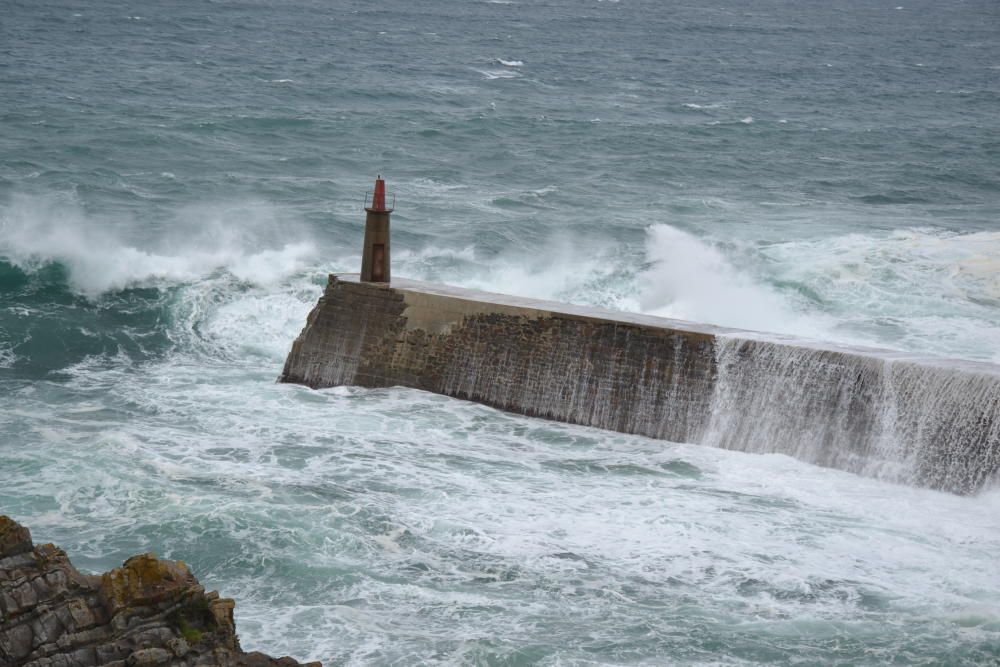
[[875, 412], [578, 369]]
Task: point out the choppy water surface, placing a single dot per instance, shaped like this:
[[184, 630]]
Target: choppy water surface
[[177, 180]]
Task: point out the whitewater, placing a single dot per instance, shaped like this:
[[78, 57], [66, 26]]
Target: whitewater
[[176, 183]]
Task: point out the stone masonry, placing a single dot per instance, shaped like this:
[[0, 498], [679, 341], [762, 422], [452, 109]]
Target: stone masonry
[[578, 369], [923, 421]]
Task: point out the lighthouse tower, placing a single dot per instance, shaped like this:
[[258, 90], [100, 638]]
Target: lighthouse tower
[[375, 257]]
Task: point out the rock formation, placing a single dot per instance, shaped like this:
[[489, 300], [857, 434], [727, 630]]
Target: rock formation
[[146, 613]]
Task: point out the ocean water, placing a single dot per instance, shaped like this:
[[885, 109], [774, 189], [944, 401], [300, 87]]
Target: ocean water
[[177, 180]]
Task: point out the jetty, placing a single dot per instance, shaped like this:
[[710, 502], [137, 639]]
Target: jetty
[[906, 418]]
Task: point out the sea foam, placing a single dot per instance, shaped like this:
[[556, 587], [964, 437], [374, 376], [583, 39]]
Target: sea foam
[[36, 232], [693, 280]]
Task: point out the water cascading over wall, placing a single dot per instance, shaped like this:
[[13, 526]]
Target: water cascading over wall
[[879, 413]]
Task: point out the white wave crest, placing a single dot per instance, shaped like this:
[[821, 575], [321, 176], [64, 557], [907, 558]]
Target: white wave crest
[[926, 291], [239, 240], [7, 356], [583, 271], [692, 280], [914, 289], [510, 63], [499, 74]]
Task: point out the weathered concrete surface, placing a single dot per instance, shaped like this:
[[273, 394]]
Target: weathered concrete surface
[[922, 421], [149, 612]]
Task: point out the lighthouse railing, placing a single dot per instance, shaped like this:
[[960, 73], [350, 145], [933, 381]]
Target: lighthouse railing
[[390, 200]]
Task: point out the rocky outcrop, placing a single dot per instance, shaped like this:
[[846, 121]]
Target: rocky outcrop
[[148, 612]]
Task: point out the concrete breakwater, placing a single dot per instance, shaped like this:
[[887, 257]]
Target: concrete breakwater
[[915, 420]]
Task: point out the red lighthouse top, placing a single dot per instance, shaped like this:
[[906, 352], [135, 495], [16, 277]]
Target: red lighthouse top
[[377, 203]]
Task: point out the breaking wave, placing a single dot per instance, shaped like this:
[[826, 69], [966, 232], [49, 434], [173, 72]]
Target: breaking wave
[[919, 290], [690, 279], [241, 241]]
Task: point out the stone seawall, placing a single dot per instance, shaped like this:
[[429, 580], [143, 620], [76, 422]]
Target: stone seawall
[[920, 421]]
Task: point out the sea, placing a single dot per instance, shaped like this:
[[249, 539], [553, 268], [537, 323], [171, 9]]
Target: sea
[[178, 179]]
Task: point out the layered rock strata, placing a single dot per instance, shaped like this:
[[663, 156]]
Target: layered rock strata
[[146, 613]]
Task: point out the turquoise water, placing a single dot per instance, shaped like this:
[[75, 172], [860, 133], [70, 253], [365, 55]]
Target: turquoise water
[[177, 180]]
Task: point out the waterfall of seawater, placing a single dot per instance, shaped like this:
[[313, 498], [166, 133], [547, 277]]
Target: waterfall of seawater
[[916, 423]]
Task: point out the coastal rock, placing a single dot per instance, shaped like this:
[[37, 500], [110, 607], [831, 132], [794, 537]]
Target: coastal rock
[[146, 613]]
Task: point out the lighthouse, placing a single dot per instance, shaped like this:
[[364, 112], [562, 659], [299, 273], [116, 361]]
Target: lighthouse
[[375, 256]]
